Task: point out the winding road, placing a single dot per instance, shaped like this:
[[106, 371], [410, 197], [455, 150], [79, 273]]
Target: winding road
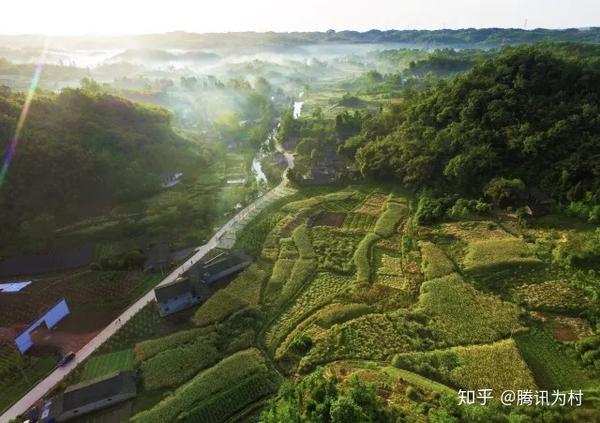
[[225, 233]]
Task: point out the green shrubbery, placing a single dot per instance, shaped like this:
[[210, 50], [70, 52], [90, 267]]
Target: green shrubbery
[[578, 250], [320, 398], [432, 209], [586, 210], [589, 350]]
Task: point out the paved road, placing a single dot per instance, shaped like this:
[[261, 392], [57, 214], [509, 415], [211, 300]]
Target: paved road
[[227, 231]]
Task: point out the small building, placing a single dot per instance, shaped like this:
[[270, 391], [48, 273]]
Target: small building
[[170, 179], [194, 287], [179, 295], [538, 203], [89, 396], [49, 319], [219, 267], [320, 175]]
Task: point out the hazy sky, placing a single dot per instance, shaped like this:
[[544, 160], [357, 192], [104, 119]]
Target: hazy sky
[[142, 16]]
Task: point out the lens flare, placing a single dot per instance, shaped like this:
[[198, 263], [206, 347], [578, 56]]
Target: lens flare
[[12, 147]]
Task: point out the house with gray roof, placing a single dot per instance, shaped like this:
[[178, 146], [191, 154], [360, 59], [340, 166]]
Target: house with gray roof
[[89, 396]]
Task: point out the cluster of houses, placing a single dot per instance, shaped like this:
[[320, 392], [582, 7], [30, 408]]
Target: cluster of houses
[[197, 284], [191, 288]]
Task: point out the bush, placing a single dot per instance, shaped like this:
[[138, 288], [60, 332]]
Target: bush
[[431, 210], [463, 208], [505, 192], [301, 344], [584, 210]]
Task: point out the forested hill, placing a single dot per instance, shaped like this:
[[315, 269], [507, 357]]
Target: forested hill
[[531, 113], [81, 149]]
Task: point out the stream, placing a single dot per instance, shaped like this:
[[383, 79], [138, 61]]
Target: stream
[[257, 169]]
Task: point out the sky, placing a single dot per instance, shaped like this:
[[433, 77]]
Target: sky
[[78, 17]]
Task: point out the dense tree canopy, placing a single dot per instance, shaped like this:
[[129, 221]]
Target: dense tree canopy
[[530, 114], [80, 148]]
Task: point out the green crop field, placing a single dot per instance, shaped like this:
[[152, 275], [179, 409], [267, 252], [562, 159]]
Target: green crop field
[[497, 366], [104, 364], [501, 259], [319, 292], [434, 261], [421, 210], [463, 315], [552, 366], [218, 379], [339, 283], [217, 308]]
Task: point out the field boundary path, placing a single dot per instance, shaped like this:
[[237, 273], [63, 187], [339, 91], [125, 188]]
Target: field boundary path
[[222, 238]]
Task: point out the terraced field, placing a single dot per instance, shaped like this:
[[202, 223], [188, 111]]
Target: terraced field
[[346, 282]]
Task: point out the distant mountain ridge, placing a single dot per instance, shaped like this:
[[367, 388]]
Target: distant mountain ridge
[[484, 38]]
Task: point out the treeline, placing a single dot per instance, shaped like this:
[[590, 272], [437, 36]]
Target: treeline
[[531, 115], [82, 150]]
